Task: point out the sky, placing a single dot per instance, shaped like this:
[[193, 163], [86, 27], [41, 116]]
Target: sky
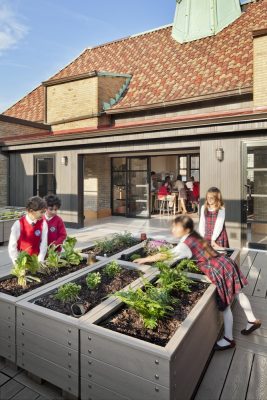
[[39, 37]]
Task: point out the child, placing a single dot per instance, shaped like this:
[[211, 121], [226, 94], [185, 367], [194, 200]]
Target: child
[[29, 233], [220, 269], [56, 228], [212, 219]]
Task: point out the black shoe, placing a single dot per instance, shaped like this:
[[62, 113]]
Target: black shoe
[[231, 344], [256, 325]]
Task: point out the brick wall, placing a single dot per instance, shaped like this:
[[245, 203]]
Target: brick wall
[[260, 71], [15, 129], [3, 180], [72, 99], [97, 183]]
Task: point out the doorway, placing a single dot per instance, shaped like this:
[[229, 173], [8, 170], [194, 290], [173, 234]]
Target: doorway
[[256, 196]]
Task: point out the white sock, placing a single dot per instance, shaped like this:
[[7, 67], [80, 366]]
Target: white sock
[[228, 327], [245, 304]]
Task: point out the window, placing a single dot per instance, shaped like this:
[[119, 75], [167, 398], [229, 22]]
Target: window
[[188, 165], [45, 180]]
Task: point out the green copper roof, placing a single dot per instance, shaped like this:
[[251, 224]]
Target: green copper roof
[[195, 19]]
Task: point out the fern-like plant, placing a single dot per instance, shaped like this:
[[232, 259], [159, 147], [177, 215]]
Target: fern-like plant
[[188, 265], [68, 292], [172, 278], [93, 279]]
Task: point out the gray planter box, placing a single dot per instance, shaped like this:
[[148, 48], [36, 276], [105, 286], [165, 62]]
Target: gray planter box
[[5, 228], [147, 371], [48, 341]]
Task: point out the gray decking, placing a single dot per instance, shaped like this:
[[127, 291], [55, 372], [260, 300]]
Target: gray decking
[[241, 373]]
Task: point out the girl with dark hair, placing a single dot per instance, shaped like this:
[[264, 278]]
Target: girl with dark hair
[[56, 228], [223, 272], [29, 233], [212, 219]]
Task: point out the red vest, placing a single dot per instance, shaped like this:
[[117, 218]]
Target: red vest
[[56, 231], [30, 236]]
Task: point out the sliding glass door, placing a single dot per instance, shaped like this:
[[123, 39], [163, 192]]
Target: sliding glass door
[[137, 198]]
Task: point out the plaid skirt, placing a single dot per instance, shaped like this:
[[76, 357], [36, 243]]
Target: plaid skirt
[[224, 273]]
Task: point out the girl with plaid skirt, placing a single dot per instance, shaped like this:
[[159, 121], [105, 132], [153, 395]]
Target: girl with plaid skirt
[[212, 220], [223, 272]]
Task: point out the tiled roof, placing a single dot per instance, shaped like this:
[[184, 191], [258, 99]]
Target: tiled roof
[[164, 70]]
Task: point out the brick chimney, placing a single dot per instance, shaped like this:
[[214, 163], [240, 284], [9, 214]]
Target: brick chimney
[[260, 68]]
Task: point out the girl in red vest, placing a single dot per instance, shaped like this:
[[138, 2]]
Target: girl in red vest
[[212, 219], [223, 272], [56, 228], [29, 233]]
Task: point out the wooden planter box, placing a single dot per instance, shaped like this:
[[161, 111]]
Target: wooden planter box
[[5, 229], [116, 255], [147, 371], [48, 341]]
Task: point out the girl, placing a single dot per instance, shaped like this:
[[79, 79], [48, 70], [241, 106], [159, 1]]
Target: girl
[[179, 185], [56, 228], [29, 233], [220, 269], [212, 220]]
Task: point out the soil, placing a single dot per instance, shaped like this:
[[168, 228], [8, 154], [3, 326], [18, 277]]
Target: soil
[[87, 297], [11, 287], [128, 321], [91, 250]]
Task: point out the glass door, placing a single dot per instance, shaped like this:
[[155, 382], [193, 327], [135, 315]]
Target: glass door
[[256, 196], [137, 187]]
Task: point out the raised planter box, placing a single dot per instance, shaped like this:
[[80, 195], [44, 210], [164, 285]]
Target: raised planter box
[[48, 341], [6, 223], [147, 371]]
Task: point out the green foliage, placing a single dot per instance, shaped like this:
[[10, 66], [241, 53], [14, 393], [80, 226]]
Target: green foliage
[[172, 278], [135, 256], [153, 247], [188, 265], [7, 215], [112, 269], [118, 241], [53, 260], [68, 292], [93, 279], [25, 265], [69, 254], [152, 303]]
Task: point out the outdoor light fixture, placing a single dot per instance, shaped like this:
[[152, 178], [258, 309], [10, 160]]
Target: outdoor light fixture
[[219, 154], [64, 160]]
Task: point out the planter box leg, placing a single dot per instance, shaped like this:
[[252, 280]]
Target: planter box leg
[[35, 378], [68, 396]]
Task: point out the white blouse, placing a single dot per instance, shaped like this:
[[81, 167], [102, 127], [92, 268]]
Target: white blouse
[[14, 237], [218, 227], [181, 250]]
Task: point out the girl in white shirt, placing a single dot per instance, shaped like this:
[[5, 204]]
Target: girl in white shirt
[[212, 219]]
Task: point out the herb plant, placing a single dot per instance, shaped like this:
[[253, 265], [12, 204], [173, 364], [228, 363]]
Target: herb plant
[[93, 280], [117, 242], [112, 269], [68, 292], [172, 278], [25, 266], [188, 265], [53, 260], [69, 254]]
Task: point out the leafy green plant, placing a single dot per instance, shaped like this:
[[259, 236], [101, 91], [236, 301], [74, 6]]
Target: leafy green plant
[[151, 303], [135, 256], [68, 292], [188, 265], [53, 260], [25, 265], [112, 269], [158, 246], [93, 279], [116, 242], [172, 278], [69, 254]]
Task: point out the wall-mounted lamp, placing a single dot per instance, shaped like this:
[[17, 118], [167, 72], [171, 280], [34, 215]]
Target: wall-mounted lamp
[[219, 154], [64, 160]]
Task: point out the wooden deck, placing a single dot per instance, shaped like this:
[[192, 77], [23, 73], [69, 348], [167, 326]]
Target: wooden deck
[[241, 373], [235, 374]]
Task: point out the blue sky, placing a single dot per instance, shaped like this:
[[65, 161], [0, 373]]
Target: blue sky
[[39, 37]]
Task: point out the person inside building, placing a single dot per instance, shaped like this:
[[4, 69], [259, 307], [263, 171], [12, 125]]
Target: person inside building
[[179, 186], [223, 272], [212, 219], [56, 227], [168, 184], [196, 192], [153, 182], [29, 233]]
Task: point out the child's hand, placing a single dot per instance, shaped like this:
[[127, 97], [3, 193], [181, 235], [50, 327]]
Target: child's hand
[[216, 246]]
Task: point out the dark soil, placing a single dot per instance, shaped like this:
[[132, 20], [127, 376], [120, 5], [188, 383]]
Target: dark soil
[[115, 250], [11, 287], [128, 321], [87, 297]]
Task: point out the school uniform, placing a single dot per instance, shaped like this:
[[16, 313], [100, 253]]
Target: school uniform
[[30, 236], [212, 226], [56, 230], [223, 272]]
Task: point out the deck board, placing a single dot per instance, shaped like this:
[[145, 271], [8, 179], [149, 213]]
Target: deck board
[[240, 373]]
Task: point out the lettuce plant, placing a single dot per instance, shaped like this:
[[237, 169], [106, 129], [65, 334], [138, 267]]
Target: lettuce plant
[[68, 292]]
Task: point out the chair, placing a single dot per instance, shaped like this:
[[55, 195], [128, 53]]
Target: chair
[[166, 204]]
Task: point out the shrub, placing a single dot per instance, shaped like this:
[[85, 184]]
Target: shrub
[[68, 292], [112, 269], [93, 279]]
